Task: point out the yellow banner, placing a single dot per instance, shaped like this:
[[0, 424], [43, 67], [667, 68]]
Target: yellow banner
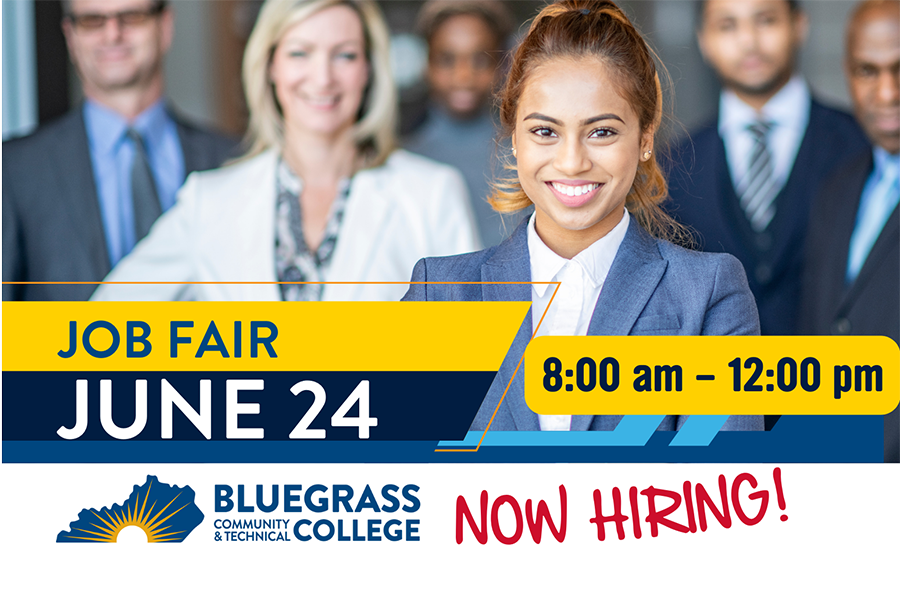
[[775, 375], [262, 336]]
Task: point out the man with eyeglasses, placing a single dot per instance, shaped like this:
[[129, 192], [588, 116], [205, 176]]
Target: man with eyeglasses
[[79, 193]]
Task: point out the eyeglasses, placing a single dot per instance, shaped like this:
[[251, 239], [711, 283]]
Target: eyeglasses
[[128, 18]]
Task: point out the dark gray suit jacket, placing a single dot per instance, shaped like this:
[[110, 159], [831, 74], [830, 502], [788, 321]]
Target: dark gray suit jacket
[[653, 288], [702, 196], [871, 305], [52, 225]]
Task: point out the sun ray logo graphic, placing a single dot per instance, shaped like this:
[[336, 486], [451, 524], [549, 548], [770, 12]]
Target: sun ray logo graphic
[[165, 513]]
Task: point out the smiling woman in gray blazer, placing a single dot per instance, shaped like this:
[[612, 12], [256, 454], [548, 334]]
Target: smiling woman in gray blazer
[[322, 195], [582, 105]]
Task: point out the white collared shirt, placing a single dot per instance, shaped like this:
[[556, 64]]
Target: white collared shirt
[[581, 280], [787, 112]]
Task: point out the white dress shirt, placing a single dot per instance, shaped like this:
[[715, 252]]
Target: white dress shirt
[[581, 280], [788, 114]]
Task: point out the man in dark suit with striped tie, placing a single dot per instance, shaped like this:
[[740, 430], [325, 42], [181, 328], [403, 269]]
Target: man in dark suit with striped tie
[[852, 279], [744, 181], [80, 192]]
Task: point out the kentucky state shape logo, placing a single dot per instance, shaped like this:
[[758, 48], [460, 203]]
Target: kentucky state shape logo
[[164, 513]]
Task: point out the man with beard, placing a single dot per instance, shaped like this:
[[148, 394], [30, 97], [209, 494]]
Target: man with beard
[[852, 280], [745, 181], [83, 190]]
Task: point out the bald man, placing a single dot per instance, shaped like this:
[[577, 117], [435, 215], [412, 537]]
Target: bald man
[[852, 277]]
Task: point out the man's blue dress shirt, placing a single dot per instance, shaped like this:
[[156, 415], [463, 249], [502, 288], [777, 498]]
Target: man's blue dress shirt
[[879, 198], [112, 154]]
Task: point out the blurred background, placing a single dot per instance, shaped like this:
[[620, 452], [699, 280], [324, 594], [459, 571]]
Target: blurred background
[[203, 67]]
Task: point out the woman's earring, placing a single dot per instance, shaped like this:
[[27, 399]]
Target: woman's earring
[[514, 151], [648, 154]]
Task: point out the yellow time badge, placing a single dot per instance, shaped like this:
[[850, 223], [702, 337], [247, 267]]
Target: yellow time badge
[[787, 375]]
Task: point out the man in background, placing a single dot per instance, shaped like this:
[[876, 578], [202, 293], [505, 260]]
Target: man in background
[[744, 182], [80, 192], [852, 280], [466, 40]]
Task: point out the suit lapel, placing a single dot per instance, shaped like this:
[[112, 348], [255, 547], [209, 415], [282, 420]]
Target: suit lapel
[[255, 208], [368, 208], [196, 153], [76, 185], [511, 262], [728, 203], [842, 216], [191, 151], [886, 243], [633, 277], [711, 181], [240, 223], [735, 234]]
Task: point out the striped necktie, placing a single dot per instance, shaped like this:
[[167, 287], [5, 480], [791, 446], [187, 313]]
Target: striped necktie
[[874, 211], [757, 191], [143, 189]]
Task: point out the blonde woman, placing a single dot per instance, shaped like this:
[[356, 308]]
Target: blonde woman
[[322, 195]]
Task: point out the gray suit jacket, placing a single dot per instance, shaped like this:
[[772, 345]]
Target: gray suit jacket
[[653, 288], [52, 225]]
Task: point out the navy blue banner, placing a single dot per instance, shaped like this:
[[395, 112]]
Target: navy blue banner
[[257, 407], [855, 439]]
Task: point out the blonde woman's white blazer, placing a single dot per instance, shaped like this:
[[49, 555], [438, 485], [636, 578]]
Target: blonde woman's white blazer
[[222, 230]]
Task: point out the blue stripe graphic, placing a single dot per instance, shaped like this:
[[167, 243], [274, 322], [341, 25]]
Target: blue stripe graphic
[[699, 430], [632, 430]]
